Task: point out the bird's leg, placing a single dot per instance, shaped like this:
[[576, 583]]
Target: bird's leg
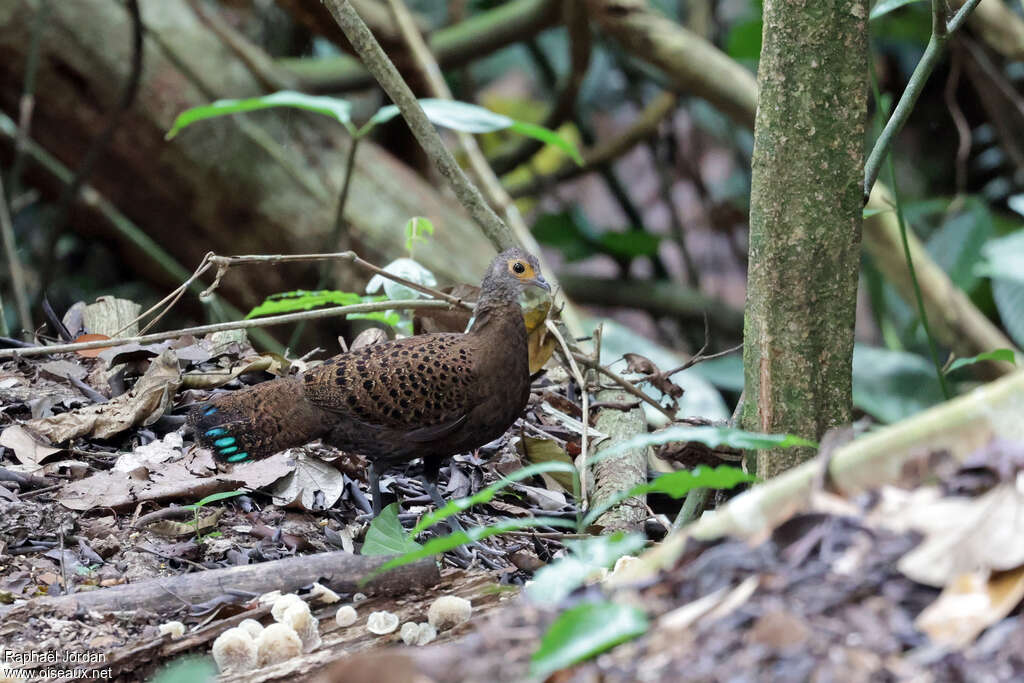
[[439, 502], [374, 476]]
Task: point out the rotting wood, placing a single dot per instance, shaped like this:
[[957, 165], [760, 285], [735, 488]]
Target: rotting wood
[[622, 472]]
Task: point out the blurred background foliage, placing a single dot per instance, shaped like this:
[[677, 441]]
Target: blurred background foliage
[[656, 238]]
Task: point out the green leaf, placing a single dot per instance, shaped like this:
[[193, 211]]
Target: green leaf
[[743, 42], [214, 497], [1006, 355], [677, 484], [629, 244], [584, 631], [568, 231], [548, 136], [436, 546], [554, 582], [957, 245], [883, 7], [304, 300], [386, 535], [338, 109], [893, 385], [1004, 258], [486, 495], [709, 436], [415, 229], [470, 118], [868, 213], [1009, 298]]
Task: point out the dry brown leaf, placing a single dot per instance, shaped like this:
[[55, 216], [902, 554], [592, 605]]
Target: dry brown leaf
[[173, 529], [969, 604], [216, 378], [546, 450], [151, 397], [91, 353], [962, 535], [26, 449], [312, 485], [113, 489]]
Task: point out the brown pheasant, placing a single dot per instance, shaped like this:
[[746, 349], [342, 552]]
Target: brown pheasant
[[430, 396]]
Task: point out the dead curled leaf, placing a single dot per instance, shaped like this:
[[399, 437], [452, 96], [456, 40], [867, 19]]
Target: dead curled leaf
[[961, 535], [645, 366], [969, 604], [151, 397], [312, 485], [26, 449]]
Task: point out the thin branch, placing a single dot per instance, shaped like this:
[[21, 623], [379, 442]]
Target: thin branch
[[378, 64], [371, 307], [492, 189], [225, 262], [14, 266], [624, 383], [941, 31]]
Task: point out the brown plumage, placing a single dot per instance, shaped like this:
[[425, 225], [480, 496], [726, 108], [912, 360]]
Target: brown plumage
[[430, 396]]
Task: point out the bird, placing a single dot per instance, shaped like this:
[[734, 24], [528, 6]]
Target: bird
[[428, 396]]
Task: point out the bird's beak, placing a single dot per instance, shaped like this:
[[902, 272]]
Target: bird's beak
[[539, 281]]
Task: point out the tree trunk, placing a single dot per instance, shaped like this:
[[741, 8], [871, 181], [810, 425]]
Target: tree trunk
[[805, 221]]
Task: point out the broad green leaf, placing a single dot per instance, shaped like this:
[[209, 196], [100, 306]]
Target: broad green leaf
[[868, 213], [1006, 355], [677, 484], [338, 109], [1004, 258], [386, 535], [554, 582], [436, 546], [883, 7], [470, 118], [629, 244], [304, 300], [584, 631], [743, 42], [456, 506], [893, 385], [958, 242], [568, 231], [1009, 297]]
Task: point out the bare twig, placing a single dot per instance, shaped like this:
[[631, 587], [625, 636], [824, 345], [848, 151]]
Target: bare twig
[[569, 356], [405, 304], [625, 384], [941, 31], [490, 185], [378, 64]]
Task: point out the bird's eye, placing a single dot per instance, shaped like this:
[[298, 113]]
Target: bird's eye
[[518, 268]]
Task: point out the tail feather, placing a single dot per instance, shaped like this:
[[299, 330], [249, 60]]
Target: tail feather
[[257, 422]]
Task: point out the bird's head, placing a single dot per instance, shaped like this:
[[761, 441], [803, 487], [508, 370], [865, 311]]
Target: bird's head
[[514, 269]]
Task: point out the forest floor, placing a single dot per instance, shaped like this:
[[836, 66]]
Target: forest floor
[[881, 586]]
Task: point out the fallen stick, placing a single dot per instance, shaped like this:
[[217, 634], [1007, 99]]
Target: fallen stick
[[340, 570]]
